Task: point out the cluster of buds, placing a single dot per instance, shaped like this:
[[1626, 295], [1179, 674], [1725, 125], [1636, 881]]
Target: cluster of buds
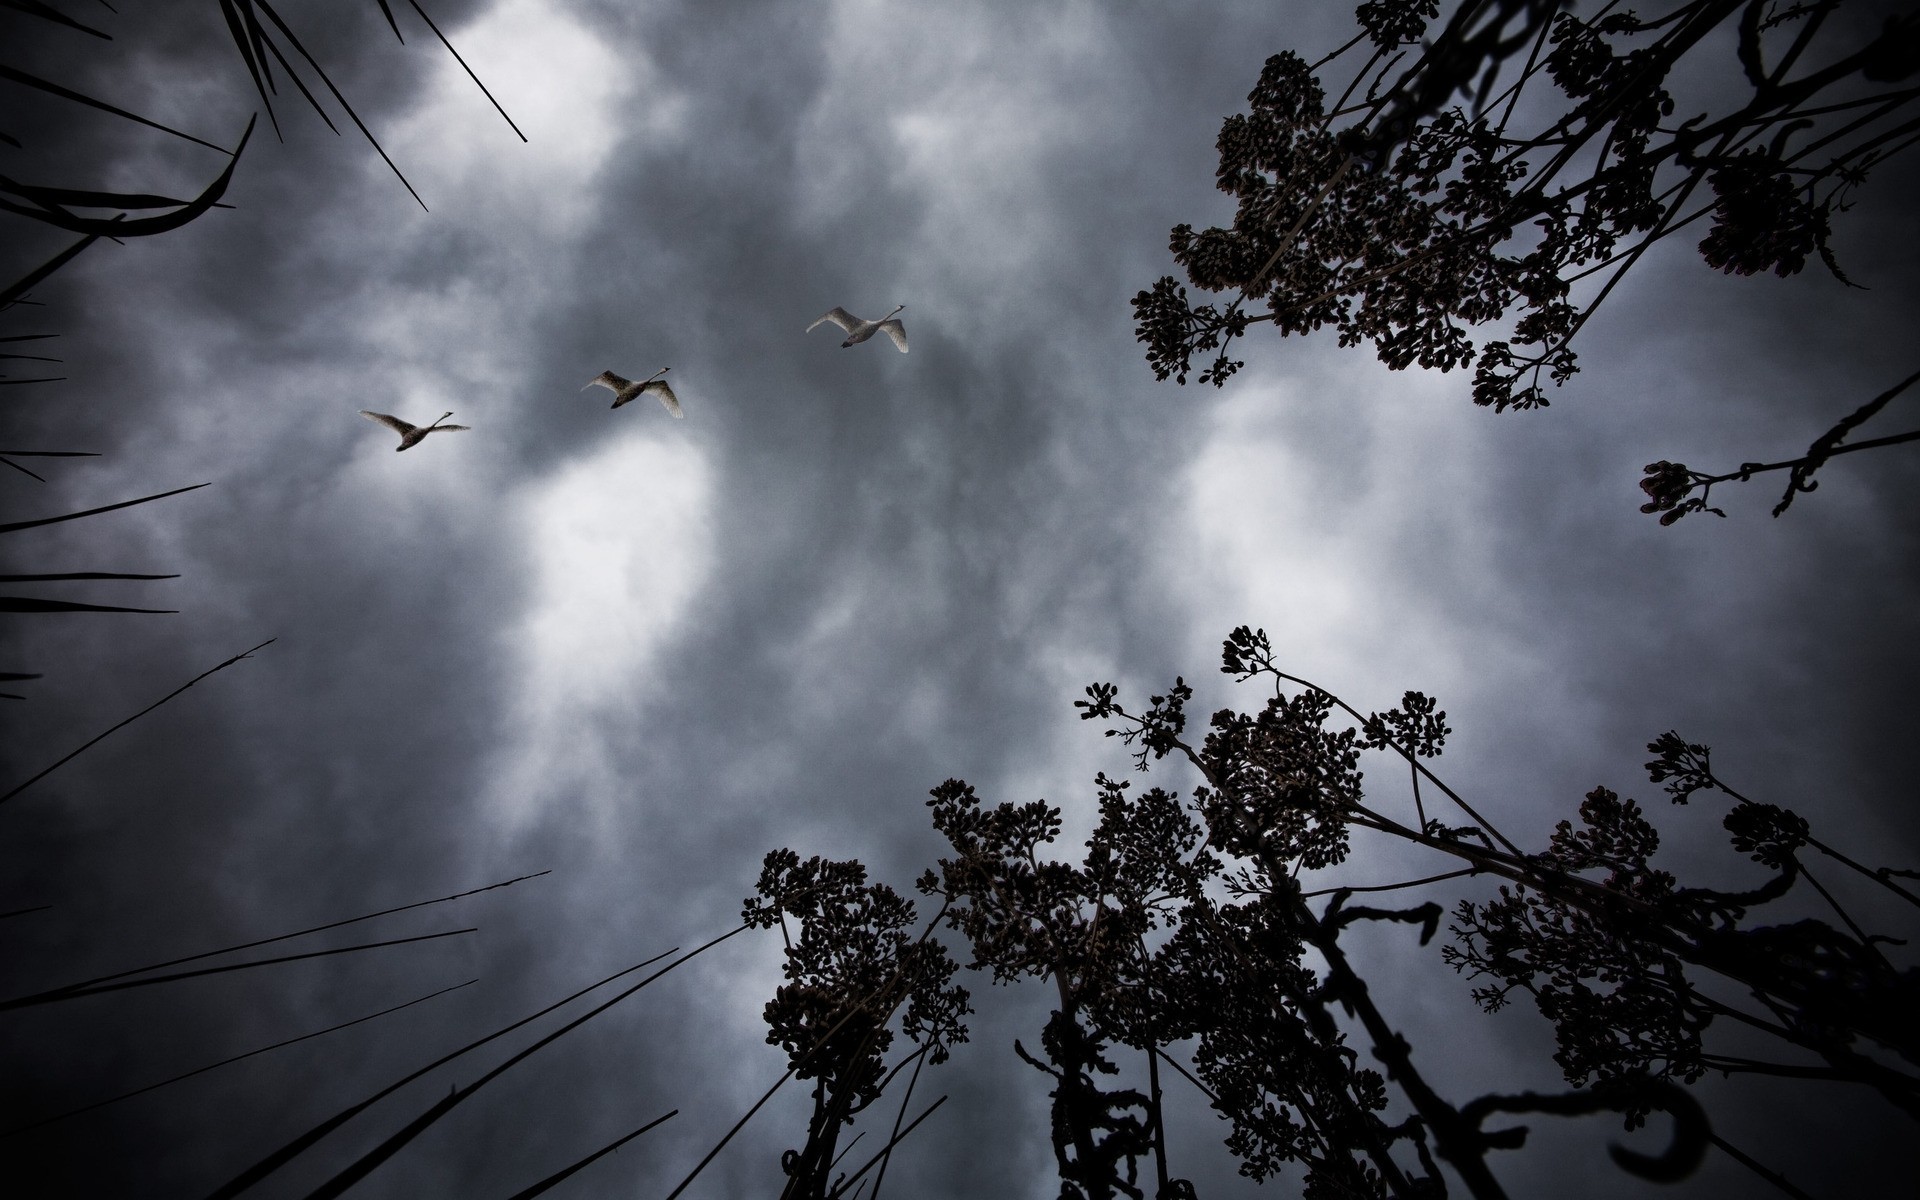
[[1668, 486]]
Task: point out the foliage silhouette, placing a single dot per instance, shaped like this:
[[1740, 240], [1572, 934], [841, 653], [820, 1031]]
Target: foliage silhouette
[[1401, 216], [853, 965], [1186, 925]]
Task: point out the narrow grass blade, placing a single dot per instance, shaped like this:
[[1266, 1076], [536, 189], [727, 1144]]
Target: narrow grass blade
[[882, 1154], [77, 575], [391, 23], [385, 912], [16, 291], [244, 41], [18, 788], [16, 466], [48, 13], [57, 995], [558, 1176], [287, 1153], [14, 75], [45, 194], [21, 912], [365, 1164], [463, 65], [92, 512], [294, 41], [120, 226], [33, 604], [19, 1129]]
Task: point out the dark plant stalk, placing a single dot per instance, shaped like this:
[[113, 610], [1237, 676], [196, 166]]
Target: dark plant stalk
[[1392, 887], [1773, 1177], [32, 604], [18, 788], [287, 1153], [609, 1148], [385, 912], [25, 80], [886, 1155], [19, 1129], [15, 526], [365, 1164], [69, 575], [57, 995], [458, 59], [897, 1138]]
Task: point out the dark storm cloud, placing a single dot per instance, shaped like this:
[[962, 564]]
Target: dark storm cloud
[[642, 652]]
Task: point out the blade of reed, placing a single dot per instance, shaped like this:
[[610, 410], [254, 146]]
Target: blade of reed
[[463, 64], [16, 291], [294, 41], [19, 1129], [21, 912], [91, 512], [18, 788], [16, 466], [46, 194], [71, 993], [15, 75], [886, 1150], [287, 1153], [120, 226], [27, 337], [886, 1153], [609, 1148], [32, 604], [36, 379], [362, 1166], [385, 912], [52, 453], [391, 23], [48, 13], [244, 37], [313, 101], [78, 575]]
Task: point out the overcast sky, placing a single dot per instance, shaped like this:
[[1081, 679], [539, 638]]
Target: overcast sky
[[642, 652]]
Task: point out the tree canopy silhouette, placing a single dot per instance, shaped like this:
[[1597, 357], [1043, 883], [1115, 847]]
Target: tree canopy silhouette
[[1187, 936], [1508, 168]]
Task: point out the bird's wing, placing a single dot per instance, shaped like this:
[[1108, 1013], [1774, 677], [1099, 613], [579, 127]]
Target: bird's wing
[[897, 332], [839, 316], [608, 380], [659, 388], [394, 423], [449, 428]]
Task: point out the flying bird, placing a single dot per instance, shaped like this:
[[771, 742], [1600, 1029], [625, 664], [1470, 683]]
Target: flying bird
[[860, 331], [626, 389], [410, 435]]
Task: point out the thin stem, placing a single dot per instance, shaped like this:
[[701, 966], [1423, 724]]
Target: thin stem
[[19, 1129], [1391, 887], [21, 787]]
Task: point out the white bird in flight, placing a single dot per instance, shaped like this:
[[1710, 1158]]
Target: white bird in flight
[[860, 331], [626, 389], [410, 435]]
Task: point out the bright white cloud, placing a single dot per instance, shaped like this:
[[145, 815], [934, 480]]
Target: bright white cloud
[[1366, 583], [576, 98], [617, 544]]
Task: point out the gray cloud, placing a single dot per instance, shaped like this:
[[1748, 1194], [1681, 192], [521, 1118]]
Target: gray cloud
[[642, 652]]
